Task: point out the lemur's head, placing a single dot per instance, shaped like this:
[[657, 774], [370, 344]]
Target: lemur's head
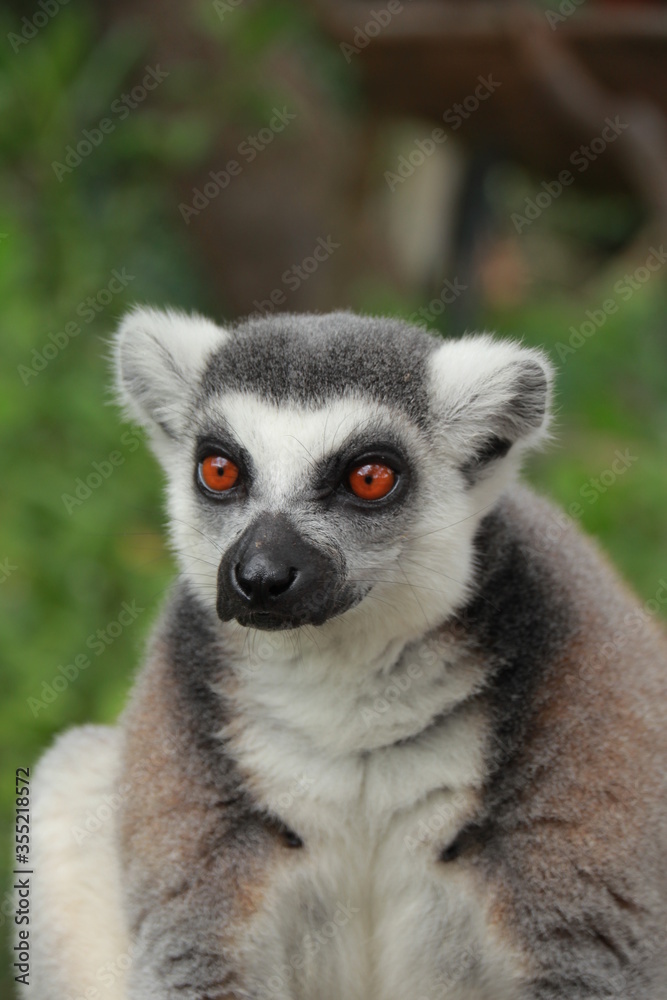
[[328, 466]]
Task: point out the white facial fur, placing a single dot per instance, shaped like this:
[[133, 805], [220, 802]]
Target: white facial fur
[[417, 567]]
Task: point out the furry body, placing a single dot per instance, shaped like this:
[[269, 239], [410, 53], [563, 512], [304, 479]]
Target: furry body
[[452, 790]]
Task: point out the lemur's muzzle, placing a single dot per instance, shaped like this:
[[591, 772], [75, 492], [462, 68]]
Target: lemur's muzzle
[[272, 578]]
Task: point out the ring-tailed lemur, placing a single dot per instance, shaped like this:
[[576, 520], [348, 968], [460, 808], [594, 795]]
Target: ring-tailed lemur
[[400, 732]]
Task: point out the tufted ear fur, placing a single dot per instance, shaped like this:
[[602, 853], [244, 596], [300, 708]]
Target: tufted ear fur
[[490, 397], [158, 356]]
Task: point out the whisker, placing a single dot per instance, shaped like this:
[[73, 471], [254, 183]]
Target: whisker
[[380, 600], [446, 527], [415, 594], [431, 569], [396, 583], [313, 462], [200, 532]]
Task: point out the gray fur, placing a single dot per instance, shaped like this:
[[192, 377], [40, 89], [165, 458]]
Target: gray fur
[[597, 926], [309, 359]]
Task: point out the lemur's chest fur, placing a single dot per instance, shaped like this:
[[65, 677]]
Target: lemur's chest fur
[[376, 773]]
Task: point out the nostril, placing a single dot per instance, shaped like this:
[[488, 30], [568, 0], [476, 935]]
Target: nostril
[[260, 581], [278, 585]]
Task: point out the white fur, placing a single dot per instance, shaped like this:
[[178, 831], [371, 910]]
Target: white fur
[[411, 593], [473, 380], [78, 934], [157, 358], [374, 819]]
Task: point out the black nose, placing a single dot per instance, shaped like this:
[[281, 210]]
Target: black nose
[[262, 579], [272, 578]]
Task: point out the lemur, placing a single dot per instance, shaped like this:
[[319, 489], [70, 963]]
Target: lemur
[[400, 732]]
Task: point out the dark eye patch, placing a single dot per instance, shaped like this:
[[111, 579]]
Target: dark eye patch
[[334, 470]]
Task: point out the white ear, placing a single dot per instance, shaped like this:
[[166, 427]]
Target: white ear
[[489, 396], [158, 357]]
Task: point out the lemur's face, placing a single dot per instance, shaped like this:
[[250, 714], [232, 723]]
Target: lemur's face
[[334, 466], [304, 504]]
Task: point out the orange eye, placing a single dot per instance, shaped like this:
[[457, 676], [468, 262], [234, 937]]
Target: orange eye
[[372, 481], [218, 473]]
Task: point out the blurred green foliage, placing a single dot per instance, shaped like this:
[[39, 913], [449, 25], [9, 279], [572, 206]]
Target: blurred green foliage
[[70, 565], [60, 245]]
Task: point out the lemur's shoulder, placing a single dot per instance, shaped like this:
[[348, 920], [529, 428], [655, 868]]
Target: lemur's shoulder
[[576, 570], [580, 797], [577, 654]]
